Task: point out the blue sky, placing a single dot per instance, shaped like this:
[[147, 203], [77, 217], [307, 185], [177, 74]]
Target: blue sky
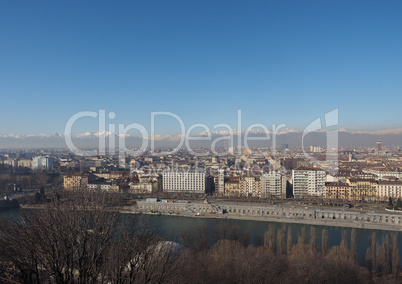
[[278, 61]]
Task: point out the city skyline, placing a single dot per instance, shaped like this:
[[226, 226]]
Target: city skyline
[[287, 62], [200, 141]]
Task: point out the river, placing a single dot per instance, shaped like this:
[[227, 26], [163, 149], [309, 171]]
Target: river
[[171, 226]]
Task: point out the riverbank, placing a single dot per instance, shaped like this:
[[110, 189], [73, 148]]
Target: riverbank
[[317, 222], [277, 219], [335, 217], [314, 222]]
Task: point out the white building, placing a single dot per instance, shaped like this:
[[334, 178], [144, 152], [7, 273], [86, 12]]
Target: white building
[[308, 181], [387, 189], [99, 186], [315, 149], [184, 181], [273, 184], [42, 163], [11, 162], [250, 186], [145, 187], [384, 173]]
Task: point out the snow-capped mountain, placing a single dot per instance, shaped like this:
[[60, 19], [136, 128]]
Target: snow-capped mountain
[[292, 137]]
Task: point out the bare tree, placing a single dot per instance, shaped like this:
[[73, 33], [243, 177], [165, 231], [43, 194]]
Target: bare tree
[[84, 240], [324, 241], [395, 255], [344, 241], [301, 238], [89, 241], [269, 238], [196, 239], [353, 243], [132, 252], [370, 254], [385, 263], [378, 259], [289, 241], [225, 232], [373, 251], [313, 238], [281, 243]]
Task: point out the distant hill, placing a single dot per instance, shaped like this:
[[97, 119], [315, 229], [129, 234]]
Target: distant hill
[[288, 136]]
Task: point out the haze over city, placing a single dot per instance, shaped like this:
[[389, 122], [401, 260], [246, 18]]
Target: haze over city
[[200, 141]]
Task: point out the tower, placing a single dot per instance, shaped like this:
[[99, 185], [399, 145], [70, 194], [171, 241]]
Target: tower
[[379, 145]]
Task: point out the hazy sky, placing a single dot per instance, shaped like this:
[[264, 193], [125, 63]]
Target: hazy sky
[[278, 61]]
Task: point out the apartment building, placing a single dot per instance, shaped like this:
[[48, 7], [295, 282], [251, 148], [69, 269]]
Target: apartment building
[[184, 181], [362, 189], [250, 186], [42, 163], [144, 187], [273, 184], [25, 163], [308, 182], [76, 181], [381, 173], [387, 189], [337, 190], [220, 182], [232, 187]]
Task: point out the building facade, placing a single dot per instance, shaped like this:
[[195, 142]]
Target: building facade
[[250, 186], [232, 187], [308, 182], [42, 163], [362, 189], [273, 184], [76, 181], [220, 182], [137, 187], [381, 173], [184, 181], [99, 186], [387, 189], [25, 163], [337, 190]]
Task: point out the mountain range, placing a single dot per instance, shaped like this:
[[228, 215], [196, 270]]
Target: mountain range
[[292, 137]]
